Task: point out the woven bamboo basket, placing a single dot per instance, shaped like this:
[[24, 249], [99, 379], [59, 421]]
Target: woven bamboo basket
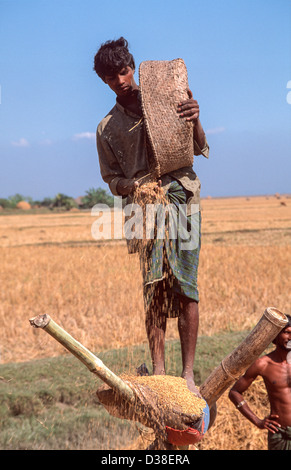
[[163, 85]]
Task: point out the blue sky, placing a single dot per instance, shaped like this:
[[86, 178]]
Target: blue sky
[[238, 55]]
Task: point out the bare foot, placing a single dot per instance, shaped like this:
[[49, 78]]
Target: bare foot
[[191, 384]]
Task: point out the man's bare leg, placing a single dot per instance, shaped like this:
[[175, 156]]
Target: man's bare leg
[[188, 323]]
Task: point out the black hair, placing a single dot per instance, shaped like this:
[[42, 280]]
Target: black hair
[[112, 57]]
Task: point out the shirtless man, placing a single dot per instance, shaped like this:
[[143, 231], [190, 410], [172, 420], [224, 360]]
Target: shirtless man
[[275, 369]]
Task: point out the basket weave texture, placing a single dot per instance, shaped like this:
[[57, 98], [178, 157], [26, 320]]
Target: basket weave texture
[[163, 85]]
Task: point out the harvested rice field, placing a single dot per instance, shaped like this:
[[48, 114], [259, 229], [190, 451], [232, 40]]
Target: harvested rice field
[[50, 263]]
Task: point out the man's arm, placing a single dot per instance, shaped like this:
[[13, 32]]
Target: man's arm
[[110, 169], [236, 396], [189, 109], [199, 134], [125, 186]]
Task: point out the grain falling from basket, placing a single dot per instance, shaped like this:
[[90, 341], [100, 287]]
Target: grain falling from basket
[[148, 194], [145, 195]]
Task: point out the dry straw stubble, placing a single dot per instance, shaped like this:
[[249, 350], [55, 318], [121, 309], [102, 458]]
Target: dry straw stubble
[[50, 264]]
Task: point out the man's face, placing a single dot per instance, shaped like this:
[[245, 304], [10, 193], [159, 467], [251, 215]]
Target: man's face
[[122, 83], [284, 339]]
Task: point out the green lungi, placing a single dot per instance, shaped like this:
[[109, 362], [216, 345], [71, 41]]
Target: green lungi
[[171, 269], [281, 440]]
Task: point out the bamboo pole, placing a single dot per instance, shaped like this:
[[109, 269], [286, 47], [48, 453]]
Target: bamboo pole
[[93, 363], [233, 365], [229, 370]]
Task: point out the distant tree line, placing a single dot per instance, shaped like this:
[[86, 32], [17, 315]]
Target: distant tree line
[[61, 201]]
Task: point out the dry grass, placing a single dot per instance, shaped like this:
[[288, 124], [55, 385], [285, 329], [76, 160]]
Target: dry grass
[[51, 264], [233, 432], [252, 221]]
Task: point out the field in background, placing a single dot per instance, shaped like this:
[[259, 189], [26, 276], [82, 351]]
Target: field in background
[[51, 264]]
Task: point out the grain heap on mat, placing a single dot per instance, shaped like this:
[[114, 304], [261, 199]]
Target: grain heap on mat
[[171, 392], [161, 402]]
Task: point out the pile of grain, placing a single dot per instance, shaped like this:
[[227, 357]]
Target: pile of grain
[[231, 430], [172, 392]]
